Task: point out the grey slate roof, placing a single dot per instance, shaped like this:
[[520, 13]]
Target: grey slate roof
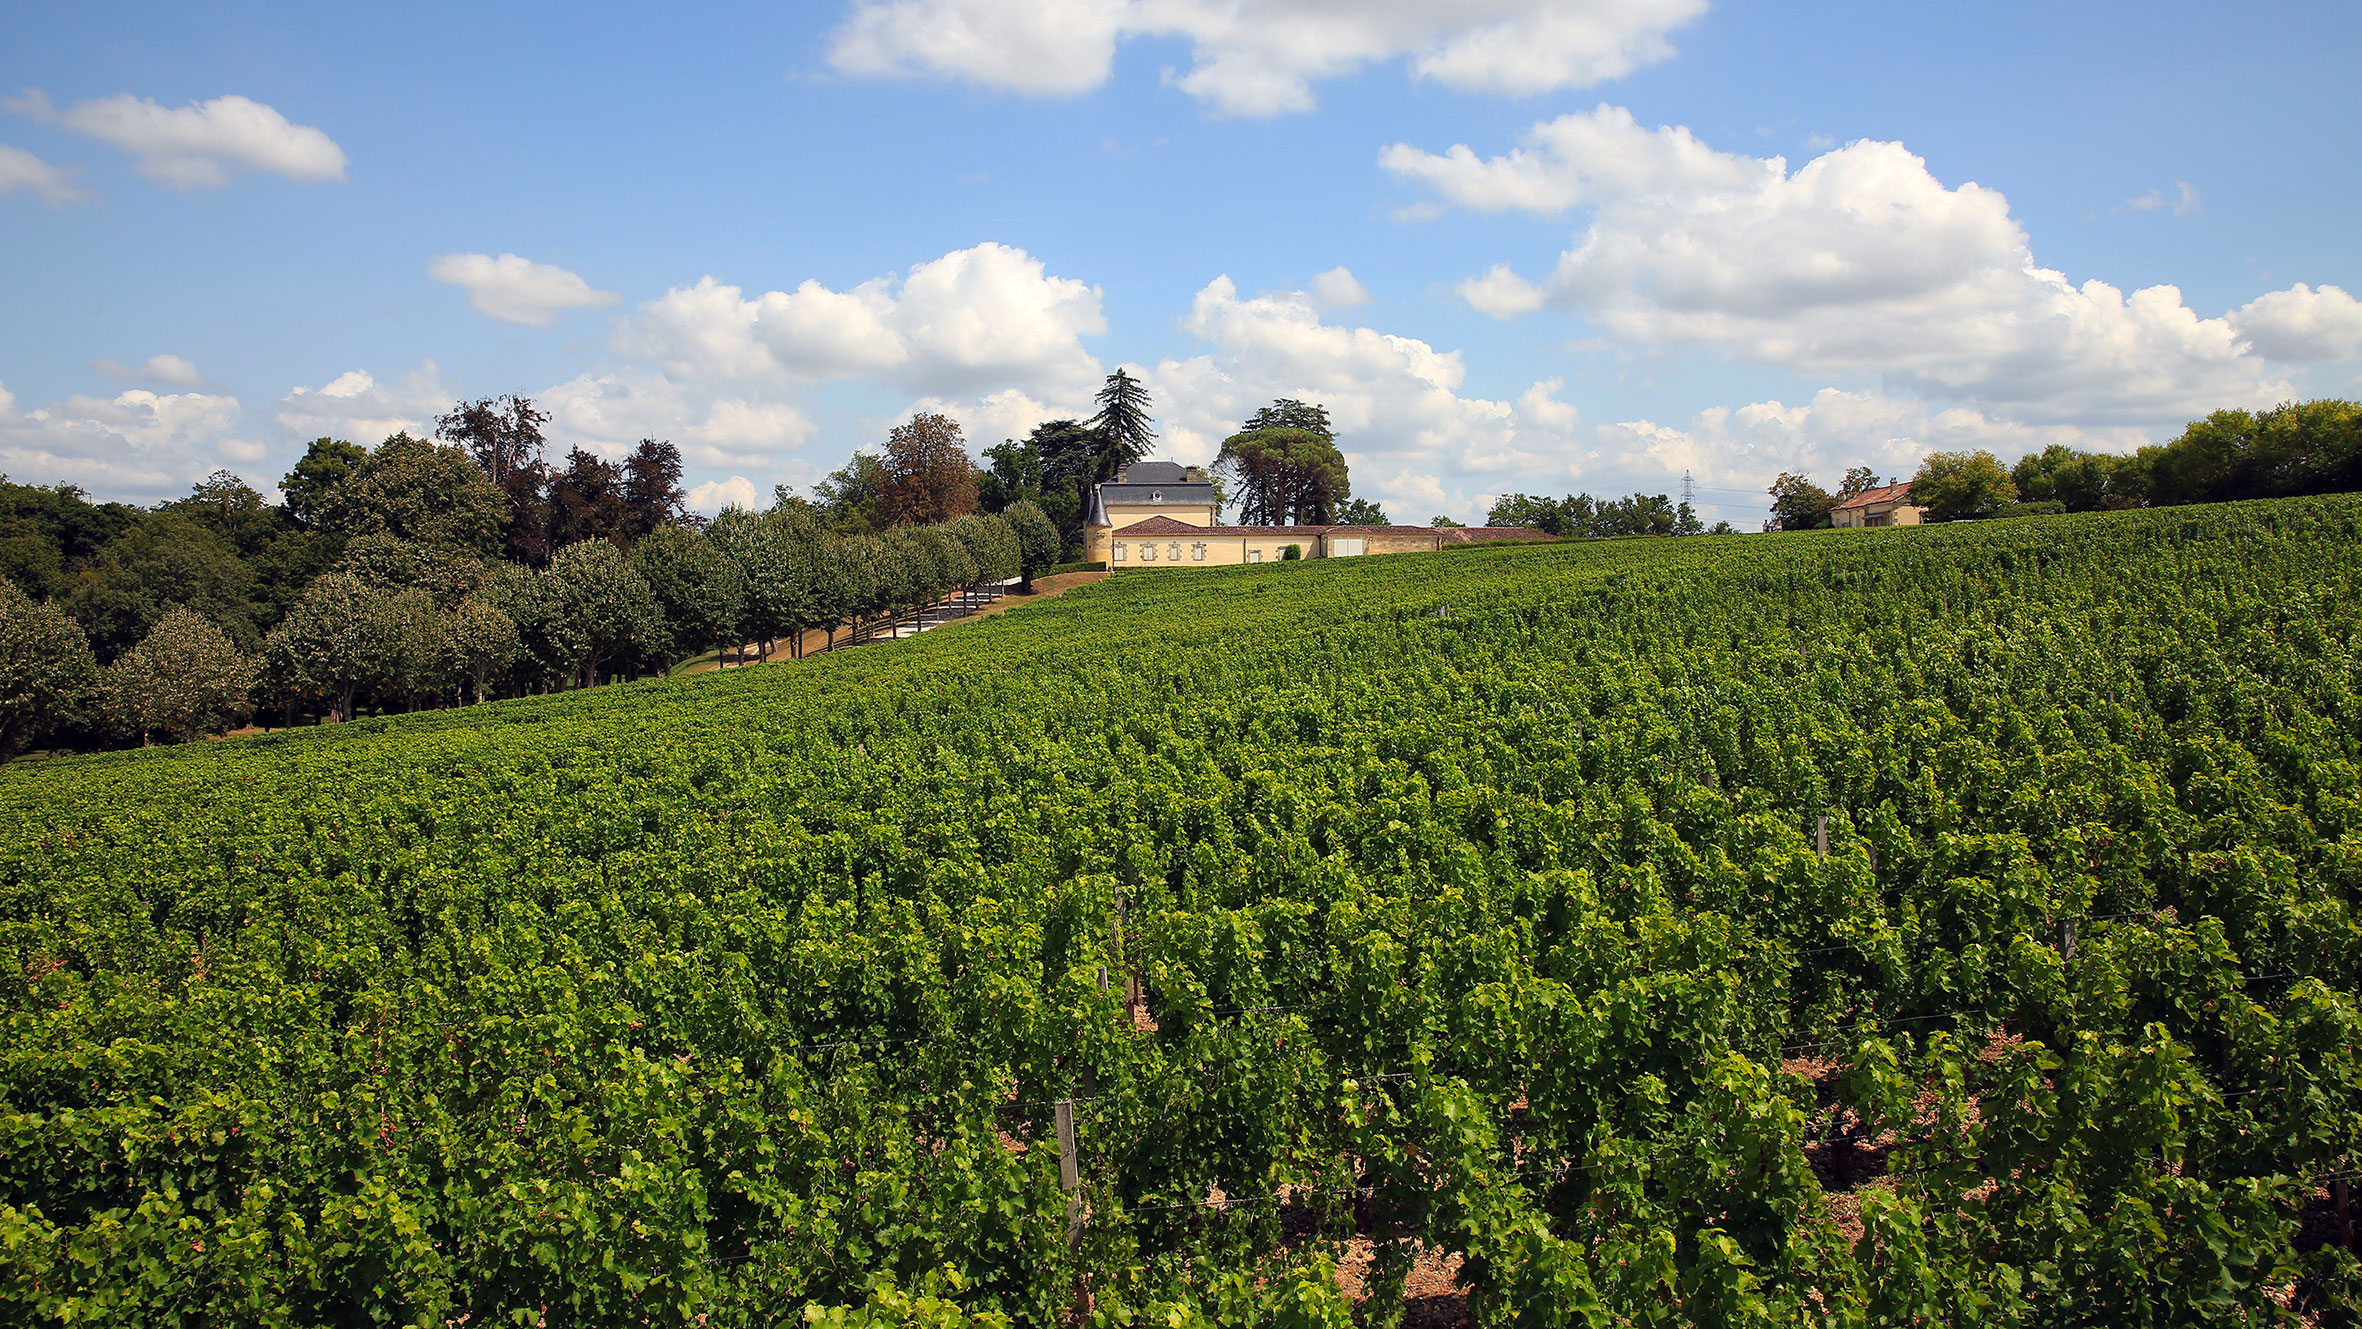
[[1156, 473], [1135, 494]]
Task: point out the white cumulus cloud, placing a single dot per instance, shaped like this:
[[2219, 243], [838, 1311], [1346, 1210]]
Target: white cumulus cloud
[[169, 371], [137, 444], [1858, 263], [1261, 57], [1501, 293], [1413, 438], [2302, 323], [976, 319], [197, 146], [1338, 288], [734, 492], [53, 185], [609, 412], [357, 407], [517, 290]]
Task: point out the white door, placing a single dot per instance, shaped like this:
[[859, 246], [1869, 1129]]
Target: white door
[[1344, 546]]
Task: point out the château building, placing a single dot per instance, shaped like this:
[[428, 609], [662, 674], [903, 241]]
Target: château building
[[1161, 514]]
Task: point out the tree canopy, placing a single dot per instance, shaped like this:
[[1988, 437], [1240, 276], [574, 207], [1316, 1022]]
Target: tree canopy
[[926, 475], [1284, 476], [182, 680], [1798, 504], [1952, 485]]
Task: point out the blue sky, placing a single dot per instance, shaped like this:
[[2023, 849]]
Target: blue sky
[[1536, 245]]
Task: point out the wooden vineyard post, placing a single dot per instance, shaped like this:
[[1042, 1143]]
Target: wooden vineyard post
[[2067, 940], [1823, 839], [1115, 943], [1069, 1176]]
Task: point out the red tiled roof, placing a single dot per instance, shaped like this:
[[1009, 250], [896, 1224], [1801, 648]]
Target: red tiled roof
[[1162, 526], [1883, 494]]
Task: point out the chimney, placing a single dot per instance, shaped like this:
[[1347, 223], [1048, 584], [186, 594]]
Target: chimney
[[1195, 476], [1123, 473]]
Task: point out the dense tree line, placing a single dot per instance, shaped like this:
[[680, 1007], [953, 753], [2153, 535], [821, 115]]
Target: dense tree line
[[431, 573], [1579, 516], [2299, 448]]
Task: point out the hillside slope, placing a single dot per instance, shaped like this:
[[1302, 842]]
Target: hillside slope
[[1476, 897]]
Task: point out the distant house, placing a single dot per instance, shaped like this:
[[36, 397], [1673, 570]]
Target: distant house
[[1887, 505]]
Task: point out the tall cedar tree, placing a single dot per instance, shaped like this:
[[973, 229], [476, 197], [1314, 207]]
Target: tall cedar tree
[[1125, 431], [928, 477], [504, 436]]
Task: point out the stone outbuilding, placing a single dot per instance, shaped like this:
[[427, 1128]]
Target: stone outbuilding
[[1887, 505]]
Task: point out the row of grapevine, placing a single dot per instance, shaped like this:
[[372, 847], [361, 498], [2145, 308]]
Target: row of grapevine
[[1950, 925]]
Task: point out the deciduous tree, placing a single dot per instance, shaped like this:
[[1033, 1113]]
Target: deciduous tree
[[848, 499], [1798, 504], [586, 499], [991, 546], [185, 678], [1952, 485], [774, 555], [503, 434], [415, 490], [609, 604], [164, 561], [925, 476], [1858, 480], [343, 635], [46, 670], [326, 464], [701, 593], [484, 642], [1038, 545]]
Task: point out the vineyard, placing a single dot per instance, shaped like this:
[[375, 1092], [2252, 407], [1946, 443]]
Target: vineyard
[[1939, 926]]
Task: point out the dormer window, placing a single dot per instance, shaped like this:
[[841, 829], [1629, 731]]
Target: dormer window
[[1156, 495]]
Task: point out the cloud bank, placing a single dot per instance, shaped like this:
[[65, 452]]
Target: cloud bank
[[1858, 265], [1261, 57]]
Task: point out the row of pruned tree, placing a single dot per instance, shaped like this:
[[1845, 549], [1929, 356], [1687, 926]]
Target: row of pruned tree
[[403, 623]]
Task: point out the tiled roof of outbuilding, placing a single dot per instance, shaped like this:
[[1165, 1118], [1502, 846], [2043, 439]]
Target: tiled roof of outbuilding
[[1883, 494]]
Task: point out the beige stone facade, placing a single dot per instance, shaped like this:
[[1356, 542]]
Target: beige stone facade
[[1889, 505], [1163, 542], [1146, 491]]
